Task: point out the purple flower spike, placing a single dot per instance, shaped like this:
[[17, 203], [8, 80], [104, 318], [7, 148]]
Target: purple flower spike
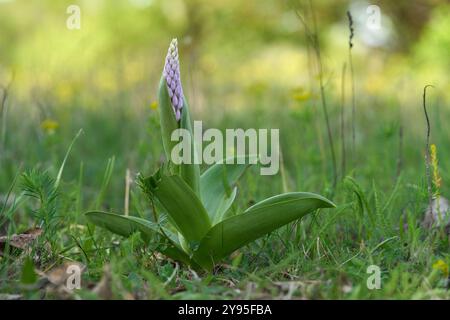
[[172, 75]]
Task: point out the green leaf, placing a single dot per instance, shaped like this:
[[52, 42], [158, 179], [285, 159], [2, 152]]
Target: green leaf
[[181, 204], [127, 225], [217, 186], [258, 220], [124, 225], [167, 118], [190, 172]]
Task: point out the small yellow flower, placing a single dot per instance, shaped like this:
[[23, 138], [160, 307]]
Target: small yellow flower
[[299, 94], [49, 126], [154, 105], [442, 266]]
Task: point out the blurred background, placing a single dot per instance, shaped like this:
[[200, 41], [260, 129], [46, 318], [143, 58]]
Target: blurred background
[[243, 63]]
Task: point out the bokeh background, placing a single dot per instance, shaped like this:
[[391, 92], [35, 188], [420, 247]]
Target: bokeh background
[[244, 64]]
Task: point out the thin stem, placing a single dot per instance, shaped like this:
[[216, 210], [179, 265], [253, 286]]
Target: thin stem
[[128, 182], [308, 41], [353, 106], [3, 110], [316, 47], [344, 68], [400, 150], [350, 60], [427, 151]]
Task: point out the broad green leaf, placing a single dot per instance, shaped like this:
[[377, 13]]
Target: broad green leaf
[[167, 117], [217, 186], [181, 204], [127, 225], [190, 172], [258, 220]]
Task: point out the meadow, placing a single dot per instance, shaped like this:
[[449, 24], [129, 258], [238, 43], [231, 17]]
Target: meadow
[[79, 119]]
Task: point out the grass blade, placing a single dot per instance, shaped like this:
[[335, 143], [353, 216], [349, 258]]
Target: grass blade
[[61, 169]]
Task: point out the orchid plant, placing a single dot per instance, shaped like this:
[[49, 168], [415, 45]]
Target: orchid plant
[[192, 220]]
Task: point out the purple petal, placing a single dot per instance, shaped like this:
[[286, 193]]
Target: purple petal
[[171, 72]]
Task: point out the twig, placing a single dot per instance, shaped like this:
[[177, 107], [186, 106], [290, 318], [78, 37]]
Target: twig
[[427, 151]]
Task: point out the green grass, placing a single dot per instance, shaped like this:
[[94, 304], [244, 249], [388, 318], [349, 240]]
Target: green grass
[[323, 256]]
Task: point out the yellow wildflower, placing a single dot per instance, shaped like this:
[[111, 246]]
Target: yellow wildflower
[[300, 94], [154, 105], [442, 266], [49, 126]]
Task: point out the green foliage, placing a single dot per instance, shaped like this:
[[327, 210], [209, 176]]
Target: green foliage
[[28, 274], [196, 212], [218, 187], [167, 243], [208, 245], [41, 186], [167, 118], [181, 204], [190, 172], [245, 58], [262, 218]]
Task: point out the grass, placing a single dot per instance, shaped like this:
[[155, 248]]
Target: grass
[[323, 256]]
